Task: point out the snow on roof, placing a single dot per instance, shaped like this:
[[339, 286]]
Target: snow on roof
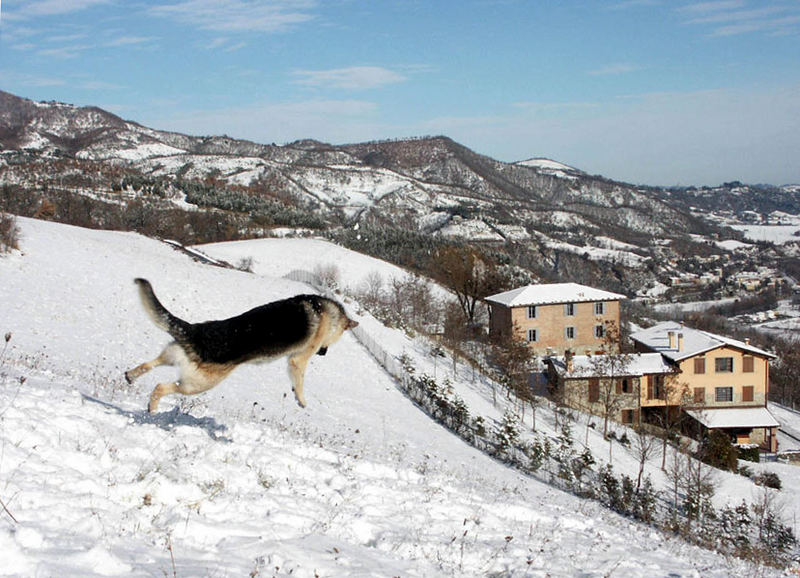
[[631, 365], [734, 417], [695, 341], [552, 293]]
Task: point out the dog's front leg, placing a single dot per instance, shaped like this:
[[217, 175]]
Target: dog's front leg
[[297, 371]]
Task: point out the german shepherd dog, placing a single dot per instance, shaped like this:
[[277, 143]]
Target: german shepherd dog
[[205, 353]]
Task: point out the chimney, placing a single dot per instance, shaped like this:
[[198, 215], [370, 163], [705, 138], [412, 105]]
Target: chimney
[[568, 355], [671, 336], [747, 341], [680, 341]]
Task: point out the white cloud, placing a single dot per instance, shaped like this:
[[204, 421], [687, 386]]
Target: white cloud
[[239, 15], [129, 41], [698, 7], [625, 5], [334, 121], [731, 18], [100, 85], [55, 7], [351, 78], [65, 52], [31, 80], [614, 70]]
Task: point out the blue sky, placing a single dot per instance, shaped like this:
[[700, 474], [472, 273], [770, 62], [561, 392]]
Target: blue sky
[[646, 91]]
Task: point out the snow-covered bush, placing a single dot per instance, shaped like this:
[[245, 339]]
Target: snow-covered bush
[[769, 480], [9, 233]]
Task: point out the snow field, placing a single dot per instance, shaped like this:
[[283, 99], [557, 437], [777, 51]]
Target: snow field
[[240, 480]]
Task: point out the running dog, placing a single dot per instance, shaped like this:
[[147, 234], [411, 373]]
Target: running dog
[[205, 353]]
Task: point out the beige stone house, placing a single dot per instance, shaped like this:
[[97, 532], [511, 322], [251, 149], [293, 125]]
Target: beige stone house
[[613, 384], [555, 317], [727, 381]]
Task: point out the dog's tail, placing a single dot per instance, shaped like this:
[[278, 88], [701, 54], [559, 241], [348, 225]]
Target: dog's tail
[[157, 312]]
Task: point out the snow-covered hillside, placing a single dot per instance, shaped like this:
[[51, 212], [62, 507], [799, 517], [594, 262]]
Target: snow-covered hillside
[[241, 481]]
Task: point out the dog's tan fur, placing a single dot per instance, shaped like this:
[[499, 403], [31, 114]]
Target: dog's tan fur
[[325, 319]]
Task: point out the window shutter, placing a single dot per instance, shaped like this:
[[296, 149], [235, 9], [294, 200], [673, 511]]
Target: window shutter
[[594, 391], [649, 387], [747, 393], [748, 365], [699, 394], [700, 365]]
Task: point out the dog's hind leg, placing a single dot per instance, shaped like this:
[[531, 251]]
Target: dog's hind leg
[[160, 391], [164, 358]]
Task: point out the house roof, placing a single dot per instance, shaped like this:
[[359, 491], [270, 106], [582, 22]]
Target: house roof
[[630, 365], [551, 293], [734, 417], [695, 342]]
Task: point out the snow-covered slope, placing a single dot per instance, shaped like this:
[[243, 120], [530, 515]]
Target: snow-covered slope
[[241, 481], [551, 167]]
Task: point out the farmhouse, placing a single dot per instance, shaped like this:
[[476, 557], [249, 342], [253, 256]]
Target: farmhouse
[[615, 386], [727, 381], [556, 317]]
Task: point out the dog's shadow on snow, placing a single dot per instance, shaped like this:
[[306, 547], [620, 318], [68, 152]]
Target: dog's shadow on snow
[[168, 420]]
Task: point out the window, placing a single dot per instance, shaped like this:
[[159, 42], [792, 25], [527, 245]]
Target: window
[[723, 394], [599, 308], [594, 391], [533, 335], [626, 386], [569, 332], [747, 393], [748, 365], [699, 394], [699, 364], [658, 386], [599, 331], [723, 364], [569, 309], [627, 416], [531, 311], [655, 386]]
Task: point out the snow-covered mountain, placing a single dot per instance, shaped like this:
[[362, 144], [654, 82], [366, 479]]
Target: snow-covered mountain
[[541, 218], [431, 183], [241, 481]]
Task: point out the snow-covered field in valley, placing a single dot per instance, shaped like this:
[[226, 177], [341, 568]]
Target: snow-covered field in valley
[[241, 481]]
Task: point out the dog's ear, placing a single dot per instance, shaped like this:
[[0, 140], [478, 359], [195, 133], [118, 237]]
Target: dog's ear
[[351, 324]]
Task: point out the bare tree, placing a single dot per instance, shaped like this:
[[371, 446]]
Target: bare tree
[[676, 396], [699, 484], [676, 472], [610, 368], [514, 360], [372, 290], [644, 445], [469, 274]]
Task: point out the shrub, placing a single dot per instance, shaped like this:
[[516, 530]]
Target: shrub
[[769, 480], [9, 233], [749, 453], [719, 452]]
